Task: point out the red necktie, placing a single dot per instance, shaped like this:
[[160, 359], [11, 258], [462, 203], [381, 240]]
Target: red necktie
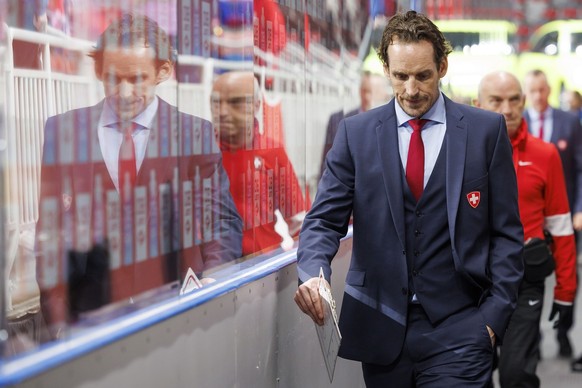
[[542, 126], [127, 167], [415, 161]]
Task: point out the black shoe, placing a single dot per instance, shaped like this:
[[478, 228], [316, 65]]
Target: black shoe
[[577, 365], [565, 348]]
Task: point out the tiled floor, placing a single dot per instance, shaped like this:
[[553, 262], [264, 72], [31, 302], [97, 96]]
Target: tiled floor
[[555, 372]]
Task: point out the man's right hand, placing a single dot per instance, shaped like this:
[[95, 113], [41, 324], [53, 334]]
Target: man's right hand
[[309, 301]]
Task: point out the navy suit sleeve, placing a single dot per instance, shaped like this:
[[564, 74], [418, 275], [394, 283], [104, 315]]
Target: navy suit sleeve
[[227, 230], [228, 246], [505, 266], [327, 221]]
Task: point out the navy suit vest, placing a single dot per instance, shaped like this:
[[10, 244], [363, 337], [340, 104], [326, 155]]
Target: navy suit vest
[[439, 288]]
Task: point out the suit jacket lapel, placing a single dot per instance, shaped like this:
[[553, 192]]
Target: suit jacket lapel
[[96, 158], [83, 177], [148, 162], [387, 136], [165, 169], [456, 149]]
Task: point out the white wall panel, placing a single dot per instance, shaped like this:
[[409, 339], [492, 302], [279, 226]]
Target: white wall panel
[[253, 337]]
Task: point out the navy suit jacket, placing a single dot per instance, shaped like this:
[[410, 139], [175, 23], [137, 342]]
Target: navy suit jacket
[[567, 136], [363, 175]]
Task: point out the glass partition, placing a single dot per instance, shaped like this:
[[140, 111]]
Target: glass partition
[[150, 148]]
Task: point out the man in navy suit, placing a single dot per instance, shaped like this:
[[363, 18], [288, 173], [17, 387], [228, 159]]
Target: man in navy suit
[[562, 129], [437, 244]]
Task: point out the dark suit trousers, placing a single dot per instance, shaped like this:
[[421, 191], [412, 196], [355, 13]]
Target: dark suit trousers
[[455, 353], [520, 352]]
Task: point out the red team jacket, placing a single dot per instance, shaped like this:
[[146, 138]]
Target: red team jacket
[[262, 179], [543, 204]]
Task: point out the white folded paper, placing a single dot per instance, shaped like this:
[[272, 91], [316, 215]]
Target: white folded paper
[[329, 333]]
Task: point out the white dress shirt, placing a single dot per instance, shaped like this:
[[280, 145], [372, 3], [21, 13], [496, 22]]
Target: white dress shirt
[[433, 134], [534, 120], [110, 137]]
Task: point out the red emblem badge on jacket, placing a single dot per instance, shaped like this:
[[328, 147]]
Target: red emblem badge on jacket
[[474, 197]]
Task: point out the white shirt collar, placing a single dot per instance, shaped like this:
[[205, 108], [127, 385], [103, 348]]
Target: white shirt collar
[[144, 119], [535, 115], [436, 113]]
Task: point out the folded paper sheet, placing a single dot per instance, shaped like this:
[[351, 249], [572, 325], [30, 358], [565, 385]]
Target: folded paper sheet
[[329, 333]]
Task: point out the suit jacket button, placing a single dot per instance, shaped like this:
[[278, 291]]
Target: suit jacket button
[[404, 291]]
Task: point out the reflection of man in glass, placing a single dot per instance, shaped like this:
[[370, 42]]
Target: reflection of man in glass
[[263, 182], [132, 192]]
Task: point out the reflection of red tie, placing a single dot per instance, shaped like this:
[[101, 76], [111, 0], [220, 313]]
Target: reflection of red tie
[[127, 166], [541, 126], [415, 161]]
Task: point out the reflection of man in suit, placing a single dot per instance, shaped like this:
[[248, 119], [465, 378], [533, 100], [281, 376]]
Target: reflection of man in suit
[[562, 129], [262, 177], [375, 90], [132, 191], [437, 241]]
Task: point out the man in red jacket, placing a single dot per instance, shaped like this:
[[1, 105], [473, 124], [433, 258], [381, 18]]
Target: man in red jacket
[[263, 182], [543, 207]]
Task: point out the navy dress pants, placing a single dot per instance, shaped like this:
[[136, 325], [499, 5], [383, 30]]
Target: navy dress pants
[[457, 352]]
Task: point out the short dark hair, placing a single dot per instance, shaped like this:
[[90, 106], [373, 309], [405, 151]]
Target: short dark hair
[[413, 27], [130, 30]]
